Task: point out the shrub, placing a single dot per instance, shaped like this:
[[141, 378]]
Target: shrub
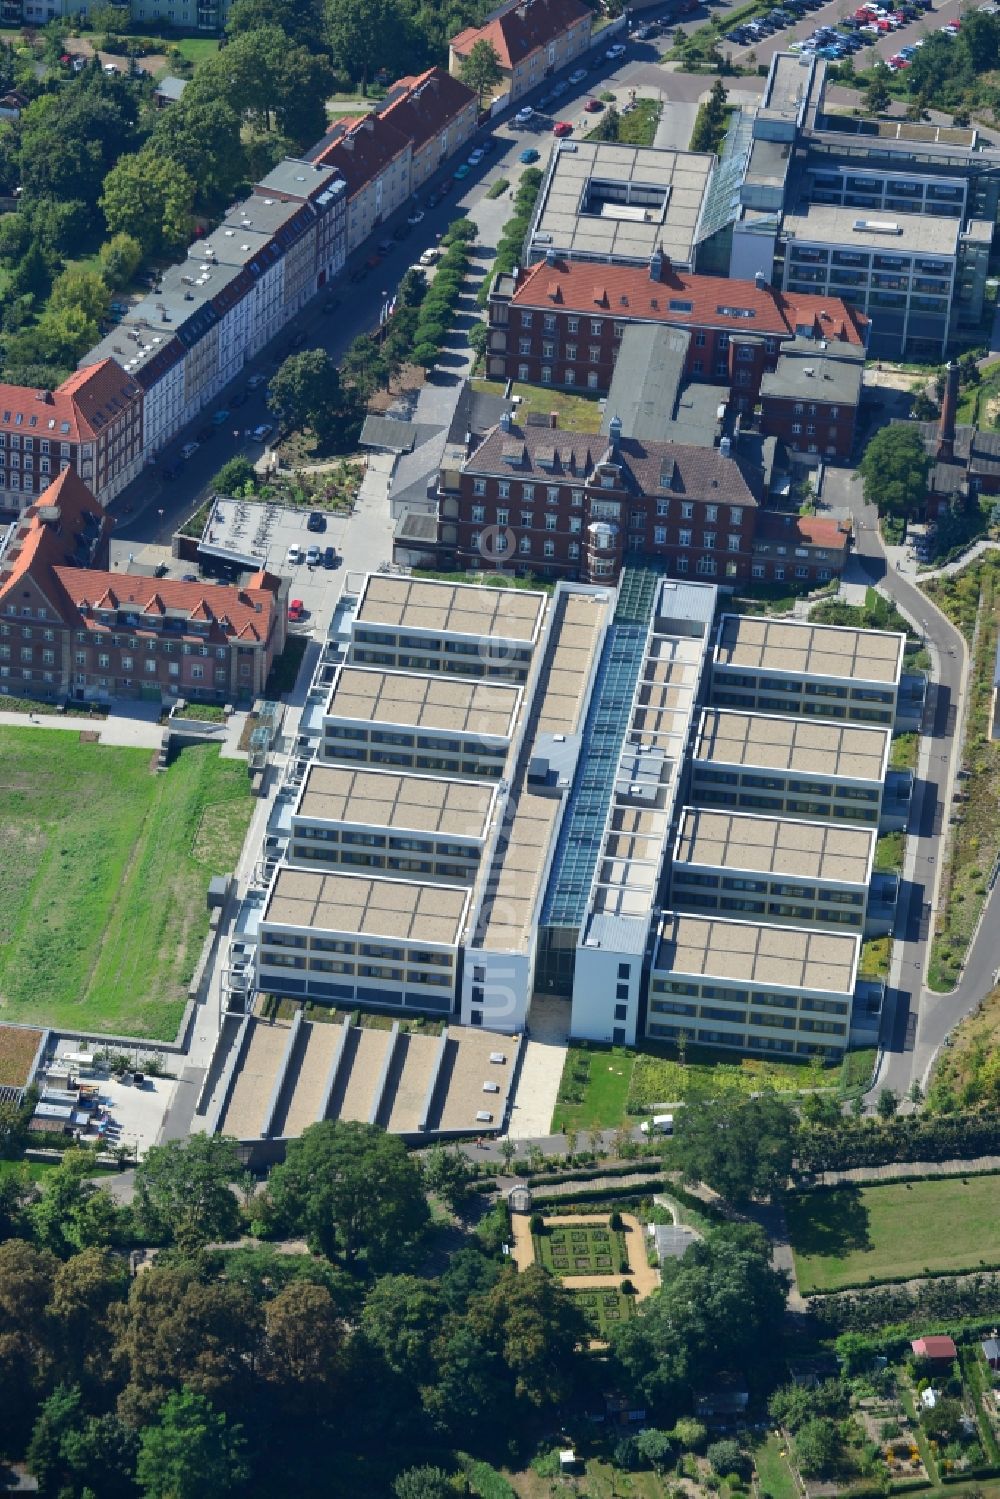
[[627, 1288], [537, 1223], [727, 1456]]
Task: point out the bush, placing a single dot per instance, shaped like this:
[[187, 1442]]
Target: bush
[[615, 1223], [690, 1434], [537, 1224], [498, 188], [627, 1288], [727, 1456]]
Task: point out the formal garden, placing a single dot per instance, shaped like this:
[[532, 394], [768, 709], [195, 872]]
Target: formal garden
[[591, 1249]]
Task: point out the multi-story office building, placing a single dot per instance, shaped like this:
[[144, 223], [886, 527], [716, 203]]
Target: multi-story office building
[[464, 882], [460, 728], [897, 218], [753, 987], [532, 39], [778, 870], [361, 939], [793, 767], [376, 821], [409, 624], [820, 671]]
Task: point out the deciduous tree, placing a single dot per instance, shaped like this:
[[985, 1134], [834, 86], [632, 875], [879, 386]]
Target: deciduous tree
[[481, 69], [894, 468], [191, 1452], [184, 1189]]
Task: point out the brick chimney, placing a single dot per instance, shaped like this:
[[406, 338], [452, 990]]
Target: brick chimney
[[553, 418], [949, 408]]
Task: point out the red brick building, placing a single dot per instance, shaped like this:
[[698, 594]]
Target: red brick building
[[561, 322], [70, 628], [798, 549], [576, 505], [92, 423]]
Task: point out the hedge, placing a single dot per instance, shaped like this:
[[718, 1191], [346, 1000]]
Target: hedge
[[588, 1173], [602, 1194], [854, 1143]]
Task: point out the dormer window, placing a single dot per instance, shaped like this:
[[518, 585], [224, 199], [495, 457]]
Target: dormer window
[[608, 480]]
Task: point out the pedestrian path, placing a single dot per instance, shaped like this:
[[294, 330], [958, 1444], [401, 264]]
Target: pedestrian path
[[118, 729], [896, 1169]]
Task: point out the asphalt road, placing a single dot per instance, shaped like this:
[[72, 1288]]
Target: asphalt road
[[917, 1019]]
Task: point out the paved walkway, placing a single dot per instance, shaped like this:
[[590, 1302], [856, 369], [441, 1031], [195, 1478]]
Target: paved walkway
[[118, 728], [541, 1069], [896, 1169]]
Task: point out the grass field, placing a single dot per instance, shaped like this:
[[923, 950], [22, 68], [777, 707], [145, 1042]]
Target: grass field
[[773, 1472], [594, 1089], [103, 882], [856, 1234]]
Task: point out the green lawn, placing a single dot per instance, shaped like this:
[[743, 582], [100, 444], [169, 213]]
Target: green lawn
[[664, 1079], [105, 871], [856, 1234], [889, 852], [903, 752], [578, 413], [197, 49], [565, 1249], [605, 1309], [594, 1089], [773, 1473]]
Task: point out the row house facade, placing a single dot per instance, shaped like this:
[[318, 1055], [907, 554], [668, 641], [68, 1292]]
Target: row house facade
[[375, 159], [532, 39], [561, 323], [574, 505], [237, 288], [91, 424], [439, 114], [69, 628]]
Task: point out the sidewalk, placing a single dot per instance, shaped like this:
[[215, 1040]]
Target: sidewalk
[[118, 729]]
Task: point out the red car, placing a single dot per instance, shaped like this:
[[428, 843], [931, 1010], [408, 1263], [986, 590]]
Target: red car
[[296, 611], [593, 106], [561, 128]]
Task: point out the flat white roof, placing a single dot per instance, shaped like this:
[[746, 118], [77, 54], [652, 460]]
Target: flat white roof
[[810, 746], [451, 608], [391, 799], [775, 845], [705, 947], [363, 905], [798, 648], [424, 701]]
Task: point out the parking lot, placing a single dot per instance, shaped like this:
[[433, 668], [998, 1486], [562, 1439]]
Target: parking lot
[[816, 16]]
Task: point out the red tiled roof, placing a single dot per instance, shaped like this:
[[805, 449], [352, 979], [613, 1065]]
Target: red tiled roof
[[934, 1347], [245, 612], [37, 546], [422, 107], [687, 300], [76, 410], [523, 28], [807, 530], [360, 149]]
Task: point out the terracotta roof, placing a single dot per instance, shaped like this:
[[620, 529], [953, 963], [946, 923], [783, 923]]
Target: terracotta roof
[[65, 524], [935, 1347], [360, 149], [802, 530], [686, 300], [76, 410], [649, 468], [244, 612], [522, 28], [422, 107]]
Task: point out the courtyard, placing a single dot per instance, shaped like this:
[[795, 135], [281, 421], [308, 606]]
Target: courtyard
[[104, 878]]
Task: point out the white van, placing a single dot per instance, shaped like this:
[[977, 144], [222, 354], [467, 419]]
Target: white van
[[660, 1124]]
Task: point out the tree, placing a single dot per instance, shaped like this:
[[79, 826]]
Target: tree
[[448, 1174], [88, 1289], [654, 1447], [184, 1190], [481, 69], [304, 1347], [120, 258], [149, 199], [78, 287], [352, 1188], [887, 1106], [26, 1279], [534, 1326], [691, 1434], [14, 1122], [740, 1146], [877, 96], [44, 1457], [359, 34], [943, 1421], [192, 1452], [201, 136], [817, 1447], [711, 119], [468, 1273], [235, 477], [727, 1456], [402, 1318], [362, 367], [304, 389], [894, 468], [300, 20], [423, 1483], [72, 1212]]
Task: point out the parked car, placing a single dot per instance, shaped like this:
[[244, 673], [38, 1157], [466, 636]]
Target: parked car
[[528, 156], [219, 417], [294, 556], [561, 128], [594, 106], [329, 558], [524, 116], [262, 432], [316, 521], [255, 380], [429, 255], [476, 157], [462, 171], [615, 52], [312, 557], [189, 449], [578, 76], [296, 610], [415, 215]]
